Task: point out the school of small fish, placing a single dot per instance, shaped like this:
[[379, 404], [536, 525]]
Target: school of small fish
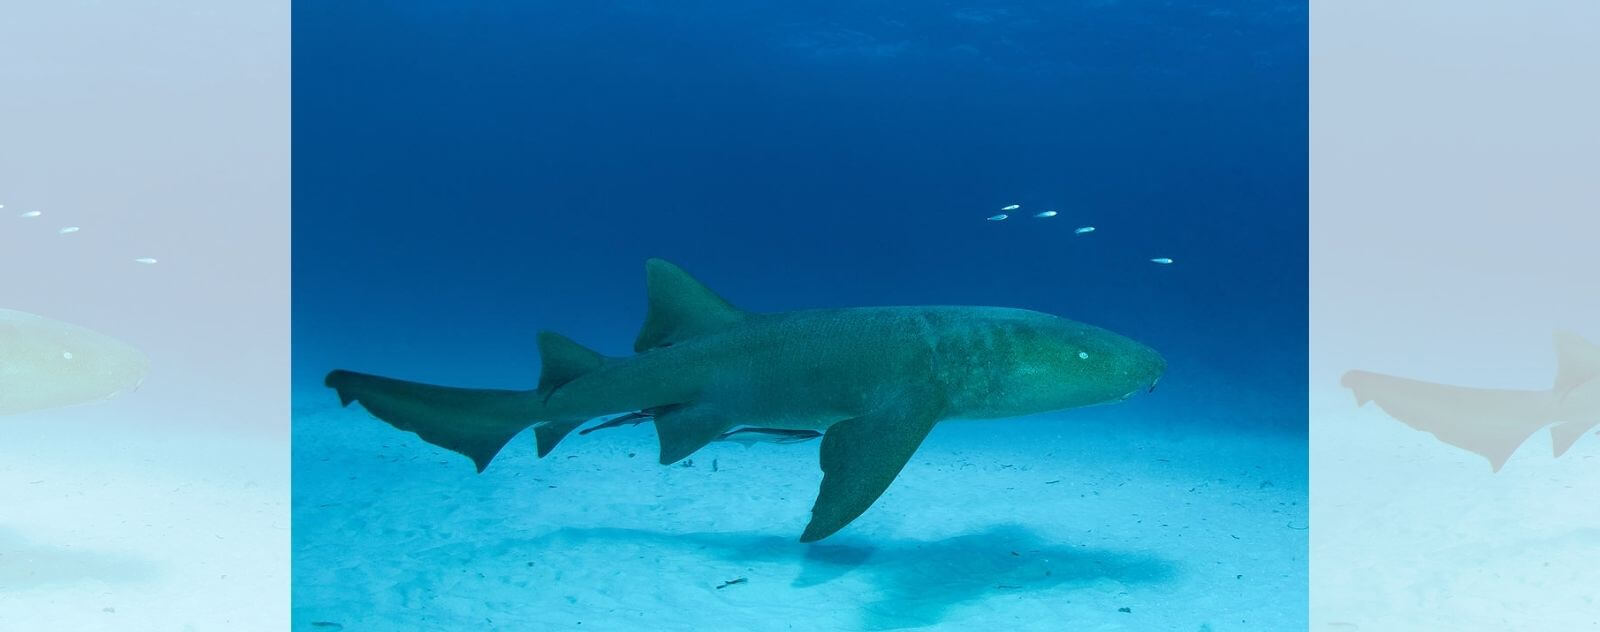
[[68, 230], [1081, 230]]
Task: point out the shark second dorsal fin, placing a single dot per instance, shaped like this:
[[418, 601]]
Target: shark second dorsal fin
[[1577, 361], [563, 361], [680, 308]]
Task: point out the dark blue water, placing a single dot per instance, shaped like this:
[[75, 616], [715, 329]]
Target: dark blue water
[[469, 173]]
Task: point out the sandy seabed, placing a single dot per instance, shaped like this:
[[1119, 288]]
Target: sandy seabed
[[114, 523], [1047, 524], [1414, 534]]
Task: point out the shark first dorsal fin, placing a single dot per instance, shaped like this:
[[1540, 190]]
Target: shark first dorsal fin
[[1577, 361], [680, 308], [563, 361]]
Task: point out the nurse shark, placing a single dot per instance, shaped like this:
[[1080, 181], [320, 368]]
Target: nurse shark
[[873, 380], [47, 364], [1493, 422]]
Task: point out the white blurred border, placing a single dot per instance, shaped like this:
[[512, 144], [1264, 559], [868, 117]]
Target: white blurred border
[[1455, 210], [161, 129]]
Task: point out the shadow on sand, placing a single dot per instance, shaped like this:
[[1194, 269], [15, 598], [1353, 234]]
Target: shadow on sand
[[25, 565], [917, 580]]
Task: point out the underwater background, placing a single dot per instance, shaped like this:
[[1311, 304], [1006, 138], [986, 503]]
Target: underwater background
[[468, 174]]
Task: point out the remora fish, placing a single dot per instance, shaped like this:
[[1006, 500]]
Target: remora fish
[[1491, 422], [874, 379], [752, 436], [46, 363], [746, 436]]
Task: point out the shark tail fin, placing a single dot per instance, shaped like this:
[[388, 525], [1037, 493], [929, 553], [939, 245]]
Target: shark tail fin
[[474, 422]]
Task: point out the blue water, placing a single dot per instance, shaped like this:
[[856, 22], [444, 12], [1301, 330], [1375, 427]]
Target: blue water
[[467, 174]]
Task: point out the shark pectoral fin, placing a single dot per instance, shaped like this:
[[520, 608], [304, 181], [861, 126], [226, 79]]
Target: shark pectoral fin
[[860, 458], [684, 429], [473, 422]]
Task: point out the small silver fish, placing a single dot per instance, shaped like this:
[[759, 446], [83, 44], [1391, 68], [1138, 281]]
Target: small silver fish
[[145, 260], [1161, 260], [1083, 230], [996, 218], [1012, 207], [1045, 214], [68, 230], [30, 214]]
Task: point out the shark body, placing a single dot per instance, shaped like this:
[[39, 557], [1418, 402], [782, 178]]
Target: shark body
[[874, 380]]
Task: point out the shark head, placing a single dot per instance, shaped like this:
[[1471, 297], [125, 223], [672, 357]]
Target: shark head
[[47, 364], [1085, 365], [1035, 363]]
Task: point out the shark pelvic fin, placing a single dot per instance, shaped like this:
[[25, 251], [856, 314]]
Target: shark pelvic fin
[[684, 429], [680, 308], [473, 422], [860, 458], [563, 361]]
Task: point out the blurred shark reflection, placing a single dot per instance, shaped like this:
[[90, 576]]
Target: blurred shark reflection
[[47, 364], [1494, 422]]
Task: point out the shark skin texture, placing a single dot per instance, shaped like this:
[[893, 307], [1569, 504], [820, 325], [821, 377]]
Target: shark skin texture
[[1494, 423], [47, 363], [872, 380]]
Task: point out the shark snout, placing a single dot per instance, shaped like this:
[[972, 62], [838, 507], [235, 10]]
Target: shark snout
[[1143, 367]]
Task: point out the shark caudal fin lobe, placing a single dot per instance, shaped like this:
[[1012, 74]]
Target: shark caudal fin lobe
[[1492, 423], [473, 422], [680, 308], [1577, 390]]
